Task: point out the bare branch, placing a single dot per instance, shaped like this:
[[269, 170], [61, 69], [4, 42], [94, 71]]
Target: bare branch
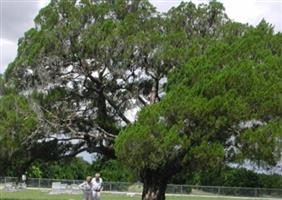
[[109, 135], [142, 100], [65, 139], [120, 114]]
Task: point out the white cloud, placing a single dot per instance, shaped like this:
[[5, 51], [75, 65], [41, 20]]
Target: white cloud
[[43, 3], [244, 11], [253, 11], [4, 41], [165, 5], [16, 18], [8, 53]]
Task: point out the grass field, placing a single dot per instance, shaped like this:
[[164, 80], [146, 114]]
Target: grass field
[[43, 195]]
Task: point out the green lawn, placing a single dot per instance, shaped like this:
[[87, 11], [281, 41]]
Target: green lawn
[[41, 195]]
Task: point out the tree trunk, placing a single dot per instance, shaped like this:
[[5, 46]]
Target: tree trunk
[[154, 186]]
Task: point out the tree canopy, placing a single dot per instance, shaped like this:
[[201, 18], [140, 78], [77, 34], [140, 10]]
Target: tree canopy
[[222, 106], [88, 65], [17, 121]]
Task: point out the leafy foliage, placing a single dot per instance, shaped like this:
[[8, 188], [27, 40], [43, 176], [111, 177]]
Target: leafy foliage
[[223, 106], [87, 64], [17, 121], [71, 168], [77, 169], [230, 177], [112, 170]]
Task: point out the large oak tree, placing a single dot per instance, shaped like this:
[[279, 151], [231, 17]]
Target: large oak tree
[[89, 66]]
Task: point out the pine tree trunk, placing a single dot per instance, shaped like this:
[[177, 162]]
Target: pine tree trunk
[[154, 186]]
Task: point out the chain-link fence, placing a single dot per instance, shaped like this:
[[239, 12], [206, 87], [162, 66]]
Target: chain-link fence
[[224, 191], [71, 187]]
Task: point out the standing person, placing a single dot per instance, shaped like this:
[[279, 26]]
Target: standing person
[[24, 180], [86, 187], [97, 186]]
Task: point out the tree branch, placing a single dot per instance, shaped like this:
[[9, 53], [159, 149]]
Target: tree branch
[[120, 114], [142, 100]]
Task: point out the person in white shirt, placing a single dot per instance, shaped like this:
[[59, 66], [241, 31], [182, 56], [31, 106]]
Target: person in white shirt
[[87, 187], [23, 183], [97, 186]]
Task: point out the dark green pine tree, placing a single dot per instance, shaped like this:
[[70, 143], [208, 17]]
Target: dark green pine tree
[[223, 106]]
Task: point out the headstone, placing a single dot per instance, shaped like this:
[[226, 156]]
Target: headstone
[[56, 188]]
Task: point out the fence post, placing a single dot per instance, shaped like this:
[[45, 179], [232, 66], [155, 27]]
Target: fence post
[[181, 189], [218, 191], [5, 181]]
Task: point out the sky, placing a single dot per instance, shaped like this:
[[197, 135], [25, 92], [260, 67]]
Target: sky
[[16, 17]]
